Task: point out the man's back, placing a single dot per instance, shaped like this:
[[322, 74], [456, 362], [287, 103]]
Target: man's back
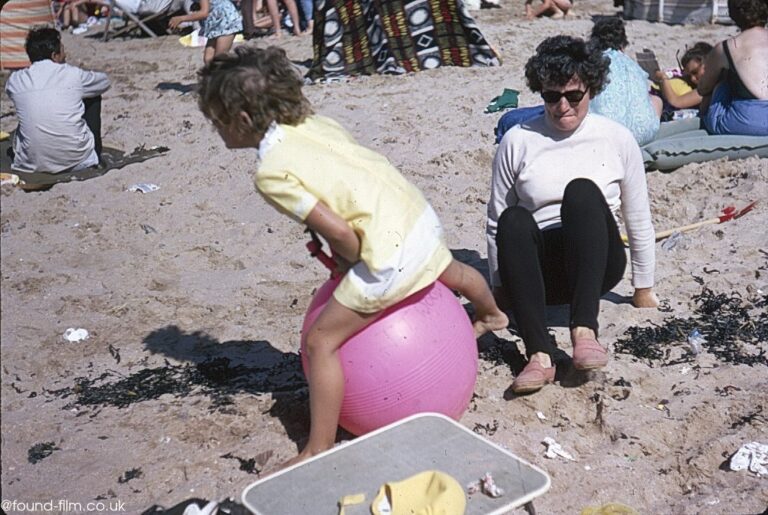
[[52, 135]]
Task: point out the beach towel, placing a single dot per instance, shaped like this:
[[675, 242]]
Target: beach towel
[[362, 37], [111, 159], [17, 17]]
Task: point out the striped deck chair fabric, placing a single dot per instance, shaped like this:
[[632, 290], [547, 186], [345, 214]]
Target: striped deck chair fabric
[[17, 17]]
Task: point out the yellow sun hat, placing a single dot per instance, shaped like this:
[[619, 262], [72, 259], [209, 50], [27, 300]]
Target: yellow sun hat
[[426, 493]]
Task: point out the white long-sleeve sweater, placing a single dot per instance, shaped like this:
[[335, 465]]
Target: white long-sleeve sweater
[[534, 163]]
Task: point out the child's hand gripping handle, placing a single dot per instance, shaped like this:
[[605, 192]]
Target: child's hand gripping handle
[[315, 248]]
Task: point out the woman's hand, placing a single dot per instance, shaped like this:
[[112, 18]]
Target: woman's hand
[[659, 76], [644, 298], [174, 22]]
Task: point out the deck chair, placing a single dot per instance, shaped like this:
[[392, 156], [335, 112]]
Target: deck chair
[[137, 14]]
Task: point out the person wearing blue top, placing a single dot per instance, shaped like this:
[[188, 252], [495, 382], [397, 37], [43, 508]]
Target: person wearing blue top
[[626, 97]]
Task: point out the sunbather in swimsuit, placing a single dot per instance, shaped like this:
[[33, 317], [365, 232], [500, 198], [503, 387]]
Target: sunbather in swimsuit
[[739, 102], [734, 109]]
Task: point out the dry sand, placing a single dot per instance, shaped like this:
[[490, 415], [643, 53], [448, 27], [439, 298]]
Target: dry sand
[[203, 268]]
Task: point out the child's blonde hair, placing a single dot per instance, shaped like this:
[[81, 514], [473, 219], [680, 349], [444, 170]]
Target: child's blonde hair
[[259, 81]]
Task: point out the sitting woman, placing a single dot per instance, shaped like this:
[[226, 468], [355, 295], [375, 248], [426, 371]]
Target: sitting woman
[[679, 92], [735, 75], [625, 98], [558, 181]]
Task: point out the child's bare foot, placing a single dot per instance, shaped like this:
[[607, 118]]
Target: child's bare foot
[[528, 12], [310, 28], [294, 461], [485, 323]]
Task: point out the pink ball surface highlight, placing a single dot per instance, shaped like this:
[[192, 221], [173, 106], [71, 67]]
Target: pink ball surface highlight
[[420, 356]]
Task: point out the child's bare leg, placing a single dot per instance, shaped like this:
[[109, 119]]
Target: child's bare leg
[[82, 14], [335, 325], [66, 17], [216, 46], [545, 7], [209, 51], [294, 12], [469, 282], [563, 5], [528, 10], [274, 13], [224, 44]]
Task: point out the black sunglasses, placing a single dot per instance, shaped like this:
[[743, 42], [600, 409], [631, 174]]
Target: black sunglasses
[[573, 96]]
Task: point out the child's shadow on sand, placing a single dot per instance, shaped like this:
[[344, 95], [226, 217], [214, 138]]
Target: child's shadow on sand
[[240, 366]]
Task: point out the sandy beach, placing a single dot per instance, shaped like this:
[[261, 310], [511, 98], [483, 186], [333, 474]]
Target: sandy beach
[[203, 269]]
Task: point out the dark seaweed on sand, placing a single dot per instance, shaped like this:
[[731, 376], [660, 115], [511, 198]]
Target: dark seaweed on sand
[[40, 451], [215, 378], [134, 473], [726, 321], [247, 465]]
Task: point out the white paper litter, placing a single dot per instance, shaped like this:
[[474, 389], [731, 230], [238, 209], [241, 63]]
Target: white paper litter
[[541, 415], [144, 187], [486, 485], [752, 456], [9, 178], [76, 335], [554, 450]]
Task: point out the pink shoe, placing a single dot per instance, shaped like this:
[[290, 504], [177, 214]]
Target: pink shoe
[[588, 354], [533, 378]]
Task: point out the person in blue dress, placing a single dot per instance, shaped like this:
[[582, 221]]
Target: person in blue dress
[[626, 98], [220, 21]]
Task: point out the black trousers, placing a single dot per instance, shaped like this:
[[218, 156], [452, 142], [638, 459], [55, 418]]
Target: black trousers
[[92, 117], [573, 264]]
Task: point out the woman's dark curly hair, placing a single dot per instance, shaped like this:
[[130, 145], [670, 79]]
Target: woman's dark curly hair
[[559, 58], [748, 13], [608, 33], [259, 81], [697, 52]]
